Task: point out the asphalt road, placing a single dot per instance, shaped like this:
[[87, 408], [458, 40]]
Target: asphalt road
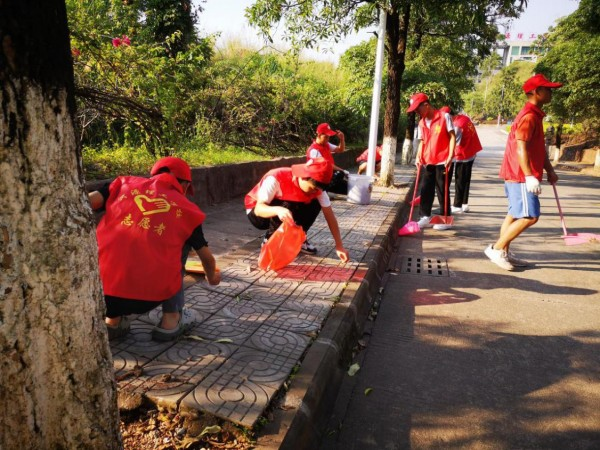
[[464, 355]]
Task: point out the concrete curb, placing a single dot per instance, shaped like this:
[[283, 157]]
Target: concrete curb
[[301, 420]]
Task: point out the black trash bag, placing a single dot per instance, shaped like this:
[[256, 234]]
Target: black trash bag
[[339, 183]]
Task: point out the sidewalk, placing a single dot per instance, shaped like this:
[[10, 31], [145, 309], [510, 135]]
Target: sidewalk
[[465, 355], [256, 327]]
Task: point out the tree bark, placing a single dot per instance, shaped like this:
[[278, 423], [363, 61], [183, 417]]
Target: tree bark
[[57, 386], [396, 37]]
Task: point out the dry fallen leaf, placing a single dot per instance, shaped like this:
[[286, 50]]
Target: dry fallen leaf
[[353, 369]]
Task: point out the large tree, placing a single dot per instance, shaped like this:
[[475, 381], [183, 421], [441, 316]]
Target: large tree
[[57, 388], [469, 23], [573, 58]]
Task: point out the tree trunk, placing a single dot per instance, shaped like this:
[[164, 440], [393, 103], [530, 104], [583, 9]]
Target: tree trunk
[[409, 138], [396, 35], [57, 387]]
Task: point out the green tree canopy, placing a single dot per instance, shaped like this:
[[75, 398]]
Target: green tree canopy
[[573, 58]]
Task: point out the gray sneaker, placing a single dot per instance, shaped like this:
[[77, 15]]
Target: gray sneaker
[[498, 257], [442, 226], [119, 330], [517, 262], [186, 321]]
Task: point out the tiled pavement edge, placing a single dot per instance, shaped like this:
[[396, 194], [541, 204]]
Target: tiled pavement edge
[[254, 328]]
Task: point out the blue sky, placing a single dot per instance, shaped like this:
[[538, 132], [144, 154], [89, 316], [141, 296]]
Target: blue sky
[[227, 17]]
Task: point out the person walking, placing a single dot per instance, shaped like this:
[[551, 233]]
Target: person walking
[[295, 194], [467, 147], [143, 240], [524, 162], [434, 155]]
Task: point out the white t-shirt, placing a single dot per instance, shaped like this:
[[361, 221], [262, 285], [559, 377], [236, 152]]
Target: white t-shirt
[[314, 153], [269, 189]]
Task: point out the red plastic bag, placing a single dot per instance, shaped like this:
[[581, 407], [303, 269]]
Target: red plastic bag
[[282, 247]]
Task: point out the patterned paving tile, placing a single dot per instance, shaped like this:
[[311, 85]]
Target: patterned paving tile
[[165, 382], [230, 397], [279, 341], [125, 363], [139, 342], [247, 272], [260, 367], [299, 271], [247, 310], [200, 299], [295, 321], [324, 290], [230, 285], [197, 357], [312, 307], [219, 327], [270, 293]]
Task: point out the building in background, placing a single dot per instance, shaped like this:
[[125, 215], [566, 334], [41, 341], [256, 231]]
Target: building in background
[[518, 47]]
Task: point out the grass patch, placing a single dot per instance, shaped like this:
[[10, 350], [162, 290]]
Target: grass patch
[[123, 160]]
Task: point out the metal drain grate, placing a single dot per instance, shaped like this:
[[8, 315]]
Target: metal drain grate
[[415, 265]]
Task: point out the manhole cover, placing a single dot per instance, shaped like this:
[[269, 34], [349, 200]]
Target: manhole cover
[[418, 265]]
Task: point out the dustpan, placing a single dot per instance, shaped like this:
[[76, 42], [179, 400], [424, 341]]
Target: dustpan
[[412, 227], [416, 201], [445, 219], [573, 238]]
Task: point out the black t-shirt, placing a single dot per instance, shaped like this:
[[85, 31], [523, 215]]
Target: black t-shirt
[[196, 240]]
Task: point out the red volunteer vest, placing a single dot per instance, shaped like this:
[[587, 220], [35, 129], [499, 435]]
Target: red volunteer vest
[[365, 155], [536, 149], [469, 143], [141, 237], [290, 190], [323, 150], [436, 140]]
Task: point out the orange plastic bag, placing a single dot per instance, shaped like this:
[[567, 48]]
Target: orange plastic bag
[[282, 247]]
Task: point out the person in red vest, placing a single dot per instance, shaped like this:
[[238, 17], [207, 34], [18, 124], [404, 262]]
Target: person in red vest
[[467, 147], [295, 194], [322, 148], [435, 153], [143, 240], [363, 159], [525, 160]]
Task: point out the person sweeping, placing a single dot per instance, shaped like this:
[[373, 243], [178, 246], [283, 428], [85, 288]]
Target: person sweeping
[[525, 160]]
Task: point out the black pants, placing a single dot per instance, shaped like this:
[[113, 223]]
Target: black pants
[[304, 214], [462, 183], [434, 178]]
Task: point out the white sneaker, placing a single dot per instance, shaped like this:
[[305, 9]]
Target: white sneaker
[[517, 262], [465, 208], [442, 226], [456, 210], [424, 221], [186, 321], [308, 248], [498, 257]]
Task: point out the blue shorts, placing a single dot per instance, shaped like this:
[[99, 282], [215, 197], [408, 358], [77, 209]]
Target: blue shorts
[[521, 203]]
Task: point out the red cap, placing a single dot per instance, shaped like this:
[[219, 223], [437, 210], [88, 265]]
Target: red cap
[[324, 128], [537, 81], [445, 109], [177, 166], [416, 100], [319, 169]]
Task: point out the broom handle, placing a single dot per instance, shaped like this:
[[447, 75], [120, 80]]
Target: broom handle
[[412, 204], [446, 196], [560, 213]]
